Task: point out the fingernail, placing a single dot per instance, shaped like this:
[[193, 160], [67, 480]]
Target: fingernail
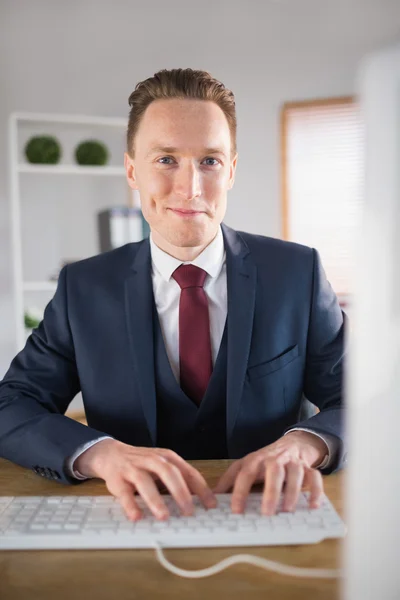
[[211, 500], [237, 504], [188, 509], [267, 510]]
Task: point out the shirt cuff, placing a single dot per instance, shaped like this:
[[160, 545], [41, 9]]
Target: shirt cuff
[[332, 446], [80, 450]]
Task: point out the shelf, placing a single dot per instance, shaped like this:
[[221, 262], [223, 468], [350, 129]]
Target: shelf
[[39, 286], [70, 170], [71, 119], [70, 128]]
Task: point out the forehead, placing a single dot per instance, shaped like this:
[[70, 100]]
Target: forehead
[[174, 122]]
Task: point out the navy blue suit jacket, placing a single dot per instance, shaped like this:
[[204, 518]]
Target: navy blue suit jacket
[[285, 340]]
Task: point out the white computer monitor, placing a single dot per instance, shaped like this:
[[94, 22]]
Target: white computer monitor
[[372, 493]]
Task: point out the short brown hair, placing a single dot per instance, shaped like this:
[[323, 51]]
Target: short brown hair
[[180, 83]]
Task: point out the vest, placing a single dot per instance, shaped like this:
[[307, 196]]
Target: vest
[[193, 432]]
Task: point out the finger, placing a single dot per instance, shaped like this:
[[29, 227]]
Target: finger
[[315, 482], [293, 483], [148, 492], [199, 486], [173, 480], [242, 486], [195, 480], [228, 478], [125, 494], [274, 478]]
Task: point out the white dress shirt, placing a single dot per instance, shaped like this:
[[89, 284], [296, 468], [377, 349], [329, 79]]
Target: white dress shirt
[[167, 294]]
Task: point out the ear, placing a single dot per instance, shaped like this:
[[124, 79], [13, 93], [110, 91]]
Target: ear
[[232, 172], [130, 171]]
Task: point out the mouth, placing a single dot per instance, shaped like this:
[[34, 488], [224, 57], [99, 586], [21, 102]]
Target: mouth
[[186, 213]]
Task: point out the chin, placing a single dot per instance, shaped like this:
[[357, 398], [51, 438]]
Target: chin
[[188, 241], [189, 238]]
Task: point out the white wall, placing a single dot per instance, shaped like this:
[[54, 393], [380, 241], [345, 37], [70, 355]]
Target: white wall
[[85, 57]]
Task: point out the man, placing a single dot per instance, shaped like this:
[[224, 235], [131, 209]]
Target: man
[[199, 342]]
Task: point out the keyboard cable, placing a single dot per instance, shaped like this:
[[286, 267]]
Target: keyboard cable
[[249, 559]]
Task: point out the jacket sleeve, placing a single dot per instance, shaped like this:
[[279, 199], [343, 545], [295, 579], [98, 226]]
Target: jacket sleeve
[[323, 377], [37, 389]]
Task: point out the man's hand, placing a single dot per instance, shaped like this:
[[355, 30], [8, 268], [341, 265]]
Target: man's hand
[[290, 461], [128, 469]]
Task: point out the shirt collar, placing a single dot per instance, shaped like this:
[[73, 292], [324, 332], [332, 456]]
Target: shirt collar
[[211, 259]]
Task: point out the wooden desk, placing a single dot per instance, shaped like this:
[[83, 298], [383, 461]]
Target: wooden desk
[[136, 574]]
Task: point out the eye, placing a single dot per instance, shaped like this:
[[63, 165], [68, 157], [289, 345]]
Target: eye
[[169, 158], [210, 158]]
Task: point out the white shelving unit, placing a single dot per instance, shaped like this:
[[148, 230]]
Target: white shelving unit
[[34, 123], [70, 170], [39, 286]]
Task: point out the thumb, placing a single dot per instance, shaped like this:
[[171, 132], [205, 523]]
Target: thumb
[[228, 478]]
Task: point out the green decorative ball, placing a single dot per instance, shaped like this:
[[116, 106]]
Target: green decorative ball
[[44, 150], [31, 322], [91, 152]]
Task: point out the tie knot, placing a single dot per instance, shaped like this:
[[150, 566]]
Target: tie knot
[[189, 276]]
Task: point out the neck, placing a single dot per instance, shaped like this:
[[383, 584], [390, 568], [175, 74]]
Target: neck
[[185, 254]]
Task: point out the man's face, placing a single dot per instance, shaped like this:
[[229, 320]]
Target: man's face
[[183, 170]]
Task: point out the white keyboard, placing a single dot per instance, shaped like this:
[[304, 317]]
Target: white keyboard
[[40, 522]]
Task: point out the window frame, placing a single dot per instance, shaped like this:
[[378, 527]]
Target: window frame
[[344, 299]]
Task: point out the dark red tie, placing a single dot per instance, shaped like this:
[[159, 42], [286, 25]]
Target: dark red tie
[[194, 332]]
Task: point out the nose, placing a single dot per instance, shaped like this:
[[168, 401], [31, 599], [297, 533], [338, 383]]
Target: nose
[[187, 182]]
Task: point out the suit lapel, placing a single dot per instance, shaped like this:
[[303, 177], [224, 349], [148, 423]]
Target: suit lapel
[[138, 310], [241, 284]]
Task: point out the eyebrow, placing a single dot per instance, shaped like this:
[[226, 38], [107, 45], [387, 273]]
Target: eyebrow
[[172, 150]]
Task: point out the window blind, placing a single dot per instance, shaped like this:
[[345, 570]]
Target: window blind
[[322, 182]]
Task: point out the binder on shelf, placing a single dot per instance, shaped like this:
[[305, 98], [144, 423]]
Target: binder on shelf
[[135, 225], [120, 225]]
